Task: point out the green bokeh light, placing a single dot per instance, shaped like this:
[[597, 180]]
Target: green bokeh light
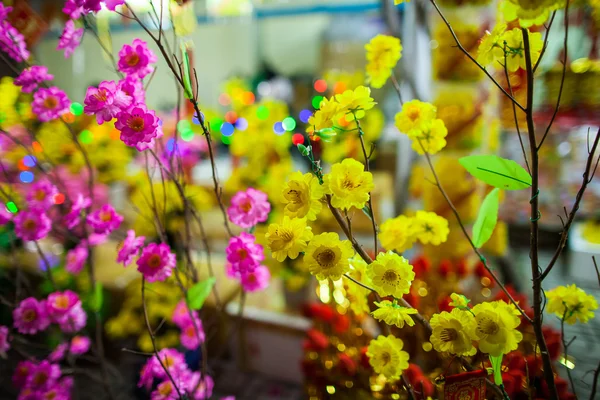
[[187, 135], [86, 137], [76, 108], [262, 112], [289, 124], [226, 139], [12, 207], [316, 102], [183, 125], [215, 124]]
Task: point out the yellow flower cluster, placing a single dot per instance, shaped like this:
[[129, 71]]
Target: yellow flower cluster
[[400, 233], [302, 196], [492, 325], [387, 357], [529, 12], [11, 113], [383, 53], [356, 294], [571, 303], [494, 45], [418, 120], [393, 314], [349, 184], [391, 274], [288, 238], [349, 105]]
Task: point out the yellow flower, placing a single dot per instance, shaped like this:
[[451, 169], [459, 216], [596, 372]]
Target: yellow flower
[[529, 12], [358, 271], [355, 102], [324, 117], [397, 234], [383, 53], [515, 57], [349, 184], [459, 301], [393, 314], [572, 303], [591, 231], [396, 2], [431, 138], [452, 332], [415, 115], [430, 227], [491, 47], [391, 274], [288, 238], [496, 327], [302, 196], [357, 297], [387, 357], [327, 256]]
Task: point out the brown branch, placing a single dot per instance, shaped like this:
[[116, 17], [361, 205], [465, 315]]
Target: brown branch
[[545, 46], [596, 267], [595, 383], [534, 218], [368, 169], [562, 79], [587, 175], [566, 350], [461, 48]]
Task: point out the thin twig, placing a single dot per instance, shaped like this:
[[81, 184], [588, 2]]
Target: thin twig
[[545, 46], [566, 350]]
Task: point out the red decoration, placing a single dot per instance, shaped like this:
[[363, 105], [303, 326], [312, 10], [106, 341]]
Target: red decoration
[[465, 386], [297, 139], [445, 268], [28, 22]]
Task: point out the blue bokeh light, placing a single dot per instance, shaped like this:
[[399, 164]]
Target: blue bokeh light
[[227, 129], [26, 176]]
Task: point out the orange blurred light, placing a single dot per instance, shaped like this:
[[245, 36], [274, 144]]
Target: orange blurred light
[[248, 98], [68, 117], [224, 99], [320, 86], [231, 117], [114, 134], [36, 147], [59, 198], [340, 87], [21, 165]]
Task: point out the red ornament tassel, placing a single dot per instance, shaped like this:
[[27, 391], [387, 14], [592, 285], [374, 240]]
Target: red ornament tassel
[[465, 386]]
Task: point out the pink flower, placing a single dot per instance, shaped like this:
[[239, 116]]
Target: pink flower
[[5, 215], [256, 280], [54, 392], [133, 87], [76, 259], [172, 360], [112, 4], [156, 262], [141, 146], [32, 225], [190, 338], [58, 353], [146, 376], [4, 337], [12, 41], [22, 372], [243, 253], [91, 5], [43, 375], [165, 391], [130, 248], [4, 11], [95, 239], [49, 104], [105, 220], [74, 321], [30, 78], [73, 8], [60, 304], [70, 38], [30, 316], [105, 101], [137, 125], [204, 385], [135, 59], [41, 195], [249, 208], [80, 345], [72, 219], [181, 315]]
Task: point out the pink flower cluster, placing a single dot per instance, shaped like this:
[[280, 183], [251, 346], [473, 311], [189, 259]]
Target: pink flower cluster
[[192, 331], [41, 380], [76, 8], [139, 126], [244, 256], [156, 262], [106, 101], [41, 195], [104, 220], [248, 208], [49, 104], [190, 384], [31, 77], [130, 248], [32, 225], [136, 59], [73, 218], [63, 308], [12, 41], [70, 38], [76, 258], [4, 340], [79, 345]]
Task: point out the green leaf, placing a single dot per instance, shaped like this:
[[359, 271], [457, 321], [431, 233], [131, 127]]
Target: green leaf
[[486, 219], [198, 293], [186, 73], [98, 299], [367, 212], [497, 367], [497, 171]]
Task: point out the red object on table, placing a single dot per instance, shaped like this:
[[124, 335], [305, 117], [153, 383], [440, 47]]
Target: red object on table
[[465, 386]]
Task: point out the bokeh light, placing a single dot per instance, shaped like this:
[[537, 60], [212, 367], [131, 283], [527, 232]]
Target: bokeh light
[[297, 139], [320, 85], [305, 115], [29, 161], [59, 198], [316, 102], [278, 128], [11, 207], [76, 108], [262, 112], [26, 177], [86, 137], [227, 129], [289, 124], [241, 124], [224, 99]]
